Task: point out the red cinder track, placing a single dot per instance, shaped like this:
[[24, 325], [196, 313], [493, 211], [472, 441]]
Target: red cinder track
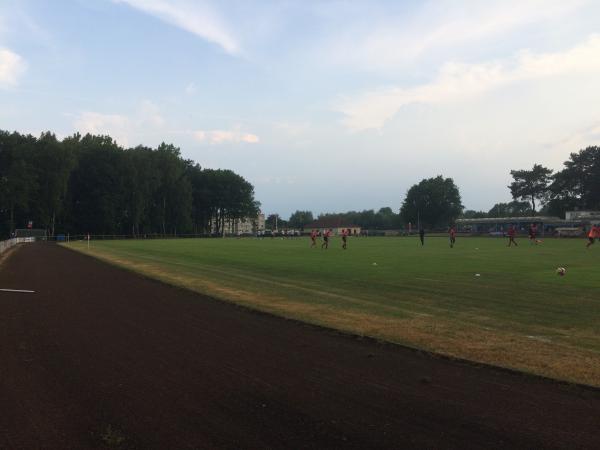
[[101, 358]]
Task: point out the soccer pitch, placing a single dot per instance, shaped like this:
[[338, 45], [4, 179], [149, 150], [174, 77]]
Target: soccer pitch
[[517, 313]]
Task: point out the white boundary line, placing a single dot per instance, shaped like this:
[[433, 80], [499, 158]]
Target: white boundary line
[[17, 290]]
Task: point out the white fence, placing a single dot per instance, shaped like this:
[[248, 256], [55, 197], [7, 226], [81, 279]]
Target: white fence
[[5, 245]]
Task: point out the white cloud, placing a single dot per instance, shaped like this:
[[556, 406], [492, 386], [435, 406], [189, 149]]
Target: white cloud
[[12, 67], [391, 41], [127, 130], [149, 114], [457, 81], [191, 89], [147, 126], [225, 136], [269, 179], [293, 128], [579, 139], [195, 17], [114, 125]]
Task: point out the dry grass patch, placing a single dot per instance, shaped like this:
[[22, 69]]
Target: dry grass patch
[[457, 338]]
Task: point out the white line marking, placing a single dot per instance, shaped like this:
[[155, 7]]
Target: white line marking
[[428, 279], [17, 290]]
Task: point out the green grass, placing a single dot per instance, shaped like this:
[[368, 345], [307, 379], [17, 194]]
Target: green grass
[[517, 313]]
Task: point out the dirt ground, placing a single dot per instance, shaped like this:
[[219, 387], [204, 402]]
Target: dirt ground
[[99, 358]]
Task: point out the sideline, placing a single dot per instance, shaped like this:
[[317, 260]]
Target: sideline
[[26, 291]]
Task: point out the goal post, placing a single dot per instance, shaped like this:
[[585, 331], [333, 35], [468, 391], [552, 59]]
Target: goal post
[[37, 234]]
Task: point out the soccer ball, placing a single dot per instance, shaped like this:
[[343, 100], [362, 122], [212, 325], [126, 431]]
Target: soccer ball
[[561, 271]]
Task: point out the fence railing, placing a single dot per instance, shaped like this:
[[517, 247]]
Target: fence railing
[[5, 245], [96, 237]]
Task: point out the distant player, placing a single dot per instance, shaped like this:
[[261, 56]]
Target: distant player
[[326, 235], [533, 234], [422, 235], [313, 238], [592, 235], [345, 233], [511, 236], [452, 234]]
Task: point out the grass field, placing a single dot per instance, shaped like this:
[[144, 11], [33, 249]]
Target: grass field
[[518, 313]]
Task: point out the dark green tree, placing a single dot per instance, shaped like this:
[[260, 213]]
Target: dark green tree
[[511, 209], [432, 203], [578, 184], [97, 187], [53, 164], [91, 184], [386, 219], [140, 186], [300, 219], [171, 206], [472, 214], [274, 222], [18, 180], [531, 185]]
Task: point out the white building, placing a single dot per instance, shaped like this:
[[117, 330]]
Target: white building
[[247, 225], [583, 216]]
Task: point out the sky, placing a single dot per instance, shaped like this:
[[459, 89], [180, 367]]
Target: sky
[[326, 106]]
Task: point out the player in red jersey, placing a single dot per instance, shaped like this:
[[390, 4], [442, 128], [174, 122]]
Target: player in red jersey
[[313, 238], [511, 236], [593, 234], [533, 234], [452, 234], [345, 233]]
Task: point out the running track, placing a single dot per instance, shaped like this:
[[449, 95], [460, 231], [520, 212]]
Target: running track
[[98, 358]]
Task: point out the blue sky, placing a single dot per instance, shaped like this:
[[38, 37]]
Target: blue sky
[[323, 105]]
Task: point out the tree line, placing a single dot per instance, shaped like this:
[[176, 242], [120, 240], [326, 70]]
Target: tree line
[[575, 187], [432, 203], [383, 219], [436, 202], [90, 184]]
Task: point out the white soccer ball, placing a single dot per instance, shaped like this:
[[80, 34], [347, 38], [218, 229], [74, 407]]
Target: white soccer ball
[[561, 271], [477, 274]]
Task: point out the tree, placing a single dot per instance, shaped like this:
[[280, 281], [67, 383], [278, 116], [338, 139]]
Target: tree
[[512, 209], [300, 219], [140, 186], [434, 203], [91, 184], [97, 187], [531, 185], [274, 222], [578, 184], [18, 180], [229, 197], [472, 214], [173, 195], [386, 219], [53, 164]]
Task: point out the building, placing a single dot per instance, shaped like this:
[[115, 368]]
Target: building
[[583, 216], [247, 226], [335, 224], [575, 222]]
